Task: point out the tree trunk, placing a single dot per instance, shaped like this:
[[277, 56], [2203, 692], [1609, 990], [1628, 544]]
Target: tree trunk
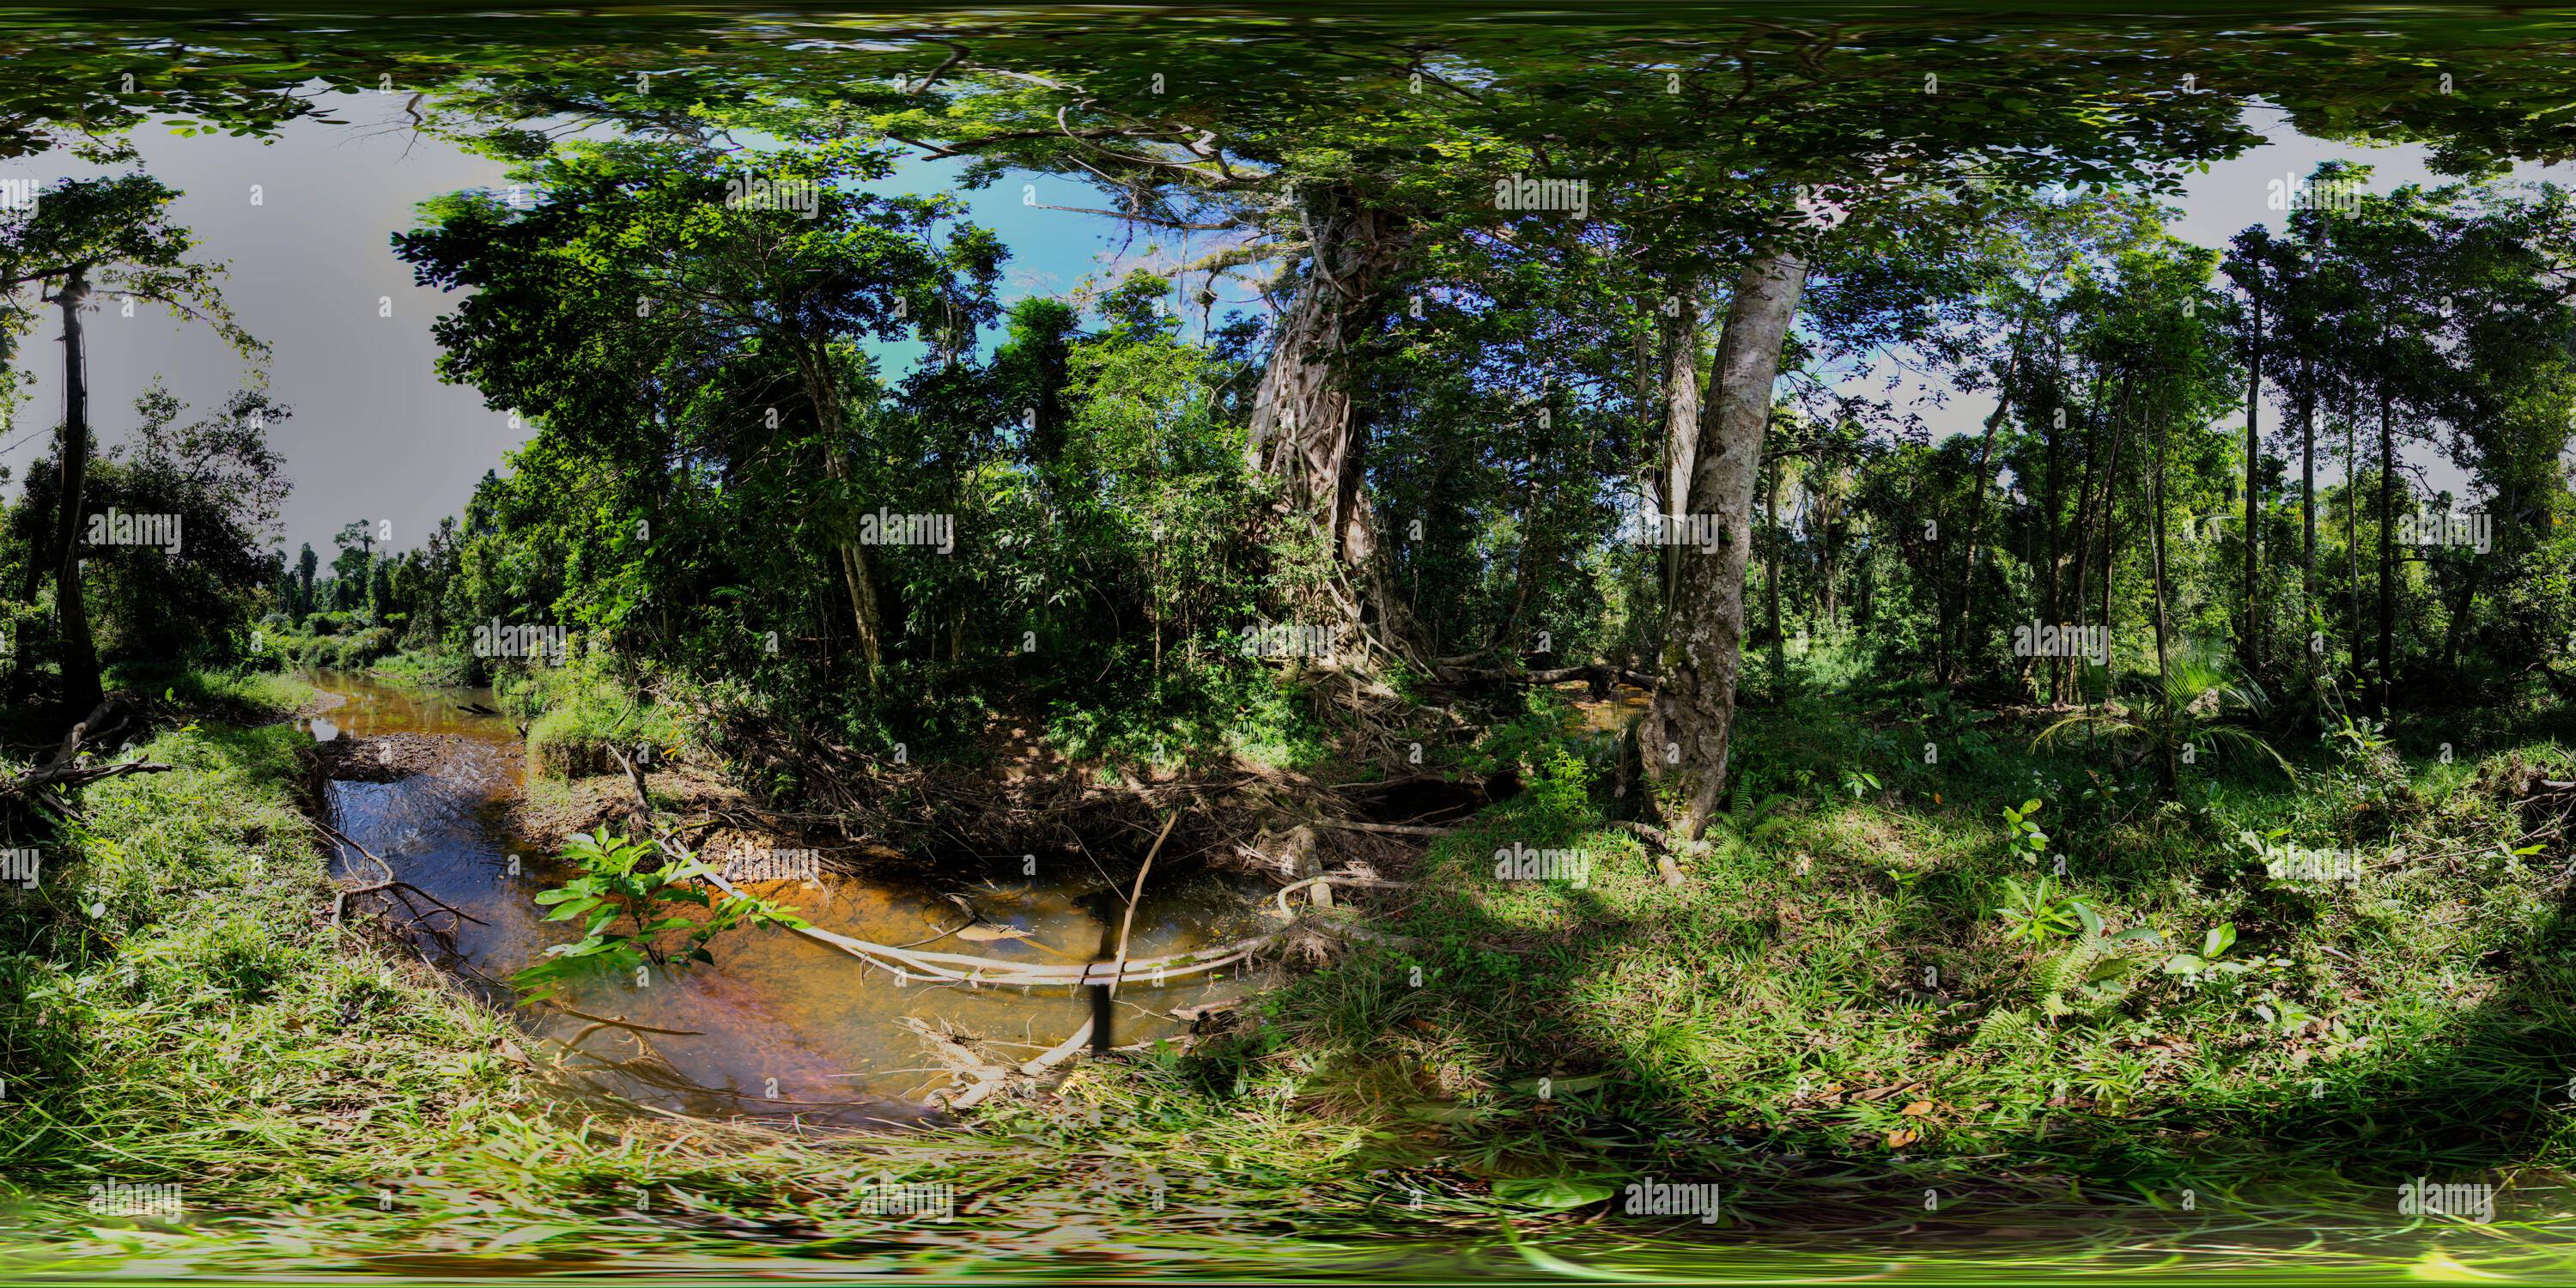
[[79, 657], [2055, 570], [2079, 526], [1686, 727], [2387, 551], [1828, 574], [1977, 507], [2352, 530], [1535, 555], [1771, 581], [2169, 772], [1303, 429], [823, 391], [2308, 492], [2251, 644], [2110, 521], [1679, 354]]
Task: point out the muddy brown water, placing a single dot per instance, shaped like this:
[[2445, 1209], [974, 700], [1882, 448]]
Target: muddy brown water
[[779, 1025]]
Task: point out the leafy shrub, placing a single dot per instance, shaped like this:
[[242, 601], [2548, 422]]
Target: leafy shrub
[[579, 711]]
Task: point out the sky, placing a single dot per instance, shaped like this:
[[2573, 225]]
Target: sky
[[2236, 194], [375, 435], [305, 219]]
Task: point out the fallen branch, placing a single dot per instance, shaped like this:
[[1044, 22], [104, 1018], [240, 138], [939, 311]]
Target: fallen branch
[[636, 777], [626, 1024], [959, 968], [1600, 675], [1666, 846], [64, 768], [1405, 781], [1387, 829], [1128, 922], [74, 775], [963, 1063], [389, 883], [1060, 1052]]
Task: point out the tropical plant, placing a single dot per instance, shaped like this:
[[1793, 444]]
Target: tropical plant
[[617, 883], [2038, 913], [2193, 710], [2211, 961]]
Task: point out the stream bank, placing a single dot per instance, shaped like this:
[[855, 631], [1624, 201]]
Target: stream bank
[[778, 1027]]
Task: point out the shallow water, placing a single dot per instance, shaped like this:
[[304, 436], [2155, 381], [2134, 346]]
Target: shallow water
[[779, 1025]]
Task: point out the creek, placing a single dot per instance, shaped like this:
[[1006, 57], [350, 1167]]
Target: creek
[[778, 1026]]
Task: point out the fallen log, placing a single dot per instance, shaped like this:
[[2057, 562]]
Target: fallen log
[[1384, 829], [1060, 1052], [65, 769], [1600, 675], [960, 968]]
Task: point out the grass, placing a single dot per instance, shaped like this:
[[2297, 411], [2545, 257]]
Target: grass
[[237, 696], [1832, 1016], [176, 1008], [432, 667], [578, 711], [1837, 979], [348, 640]]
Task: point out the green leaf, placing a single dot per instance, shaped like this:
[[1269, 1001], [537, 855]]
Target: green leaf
[[577, 907], [1554, 1193]]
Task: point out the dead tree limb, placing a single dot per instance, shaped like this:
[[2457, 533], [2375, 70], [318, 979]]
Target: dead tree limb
[[1389, 829], [1129, 921]]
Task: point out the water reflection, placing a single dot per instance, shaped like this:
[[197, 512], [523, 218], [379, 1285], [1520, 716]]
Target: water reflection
[[780, 1025]]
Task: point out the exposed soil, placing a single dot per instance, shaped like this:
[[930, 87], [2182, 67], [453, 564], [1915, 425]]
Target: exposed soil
[[384, 758], [555, 808]]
